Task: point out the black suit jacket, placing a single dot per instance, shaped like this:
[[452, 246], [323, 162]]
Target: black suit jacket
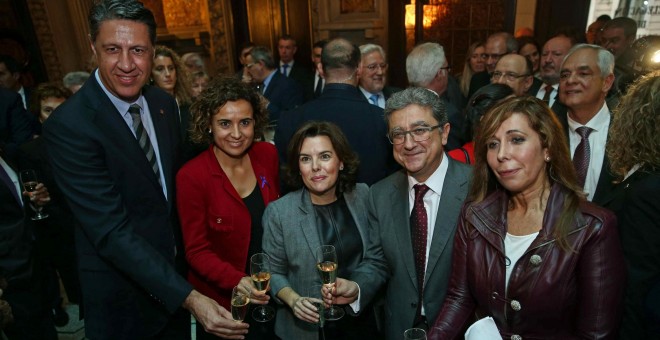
[[283, 94], [15, 125], [300, 73], [637, 207], [126, 239], [536, 86], [361, 122], [478, 81], [606, 178], [388, 91]]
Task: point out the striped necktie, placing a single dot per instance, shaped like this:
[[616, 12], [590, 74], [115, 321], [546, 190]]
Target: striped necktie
[[143, 139]]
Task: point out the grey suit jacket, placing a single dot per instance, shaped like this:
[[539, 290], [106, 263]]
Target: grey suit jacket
[[389, 220], [291, 238]]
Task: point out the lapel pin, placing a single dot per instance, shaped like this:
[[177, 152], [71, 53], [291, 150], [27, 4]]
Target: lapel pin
[[162, 113]]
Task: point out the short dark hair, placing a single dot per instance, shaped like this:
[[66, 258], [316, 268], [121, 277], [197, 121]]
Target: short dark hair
[[629, 26], [480, 102], [418, 96], [220, 91], [287, 37], [261, 53], [320, 43], [43, 91], [604, 18], [121, 10], [340, 53], [10, 63], [347, 177]]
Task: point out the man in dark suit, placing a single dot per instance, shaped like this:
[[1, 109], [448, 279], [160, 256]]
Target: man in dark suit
[[313, 83], [586, 75], [283, 94], [420, 203], [26, 290], [15, 125], [514, 71], [427, 67], [497, 45], [287, 66], [373, 75], [343, 104], [113, 151], [552, 55]]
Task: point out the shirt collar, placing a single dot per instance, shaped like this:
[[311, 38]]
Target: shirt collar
[[599, 122], [369, 94], [119, 104], [435, 181]]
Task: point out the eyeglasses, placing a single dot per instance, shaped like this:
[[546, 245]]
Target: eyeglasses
[[249, 65], [446, 68], [373, 67], [419, 134], [497, 75]]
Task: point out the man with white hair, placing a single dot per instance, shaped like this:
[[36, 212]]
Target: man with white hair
[[373, 75], [427, 67]]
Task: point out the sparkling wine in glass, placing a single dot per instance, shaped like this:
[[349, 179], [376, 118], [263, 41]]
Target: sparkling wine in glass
[[260, 273], [30, 182], [239, 304], [326, 264], [414, 334]]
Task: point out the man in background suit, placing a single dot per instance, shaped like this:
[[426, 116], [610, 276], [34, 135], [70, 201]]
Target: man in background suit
[[288, 67], [552, 55], [373, 75], [26, 290], [417, 273], [497, 45], [15, 123], [121, 189], [343, 104], [427, 67], [313, 84], [586, 75], [283, 94]]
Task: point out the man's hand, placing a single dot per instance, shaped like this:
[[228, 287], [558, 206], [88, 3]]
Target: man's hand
[[345, 292], [213, 317], [39, 196], [246, 285]]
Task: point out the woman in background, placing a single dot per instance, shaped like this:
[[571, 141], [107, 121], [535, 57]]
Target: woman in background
[[530, 49], [530, 251], [633, 148], [475, 62], [481, 101], [200, 81], [222, 193]]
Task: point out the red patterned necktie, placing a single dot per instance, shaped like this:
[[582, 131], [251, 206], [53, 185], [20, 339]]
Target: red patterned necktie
[[582, 154], [419, 234]]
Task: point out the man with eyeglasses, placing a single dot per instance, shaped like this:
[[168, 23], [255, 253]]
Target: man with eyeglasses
[[373, 75], [427, 67], [413, 215], [514, 71], [497, 45]]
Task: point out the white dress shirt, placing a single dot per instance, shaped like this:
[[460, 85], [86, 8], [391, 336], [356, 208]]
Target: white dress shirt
[[555, 92], [381, 97], [600, 124], [288, 69]]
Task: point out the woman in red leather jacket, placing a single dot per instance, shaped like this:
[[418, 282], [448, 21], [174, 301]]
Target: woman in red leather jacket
[[530, 251], [223, 192]]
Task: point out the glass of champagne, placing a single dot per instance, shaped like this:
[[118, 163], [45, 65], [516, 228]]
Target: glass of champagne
[[260, 273], [315, 297], [414, 334], [326, 263], [30, 182], [239, 304]]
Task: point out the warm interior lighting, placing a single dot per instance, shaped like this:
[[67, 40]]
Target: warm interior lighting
[[656, 57], [431, 15]]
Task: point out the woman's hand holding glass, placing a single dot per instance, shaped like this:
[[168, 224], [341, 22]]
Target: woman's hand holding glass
[[345, 292], [258, 297], [305, 310]]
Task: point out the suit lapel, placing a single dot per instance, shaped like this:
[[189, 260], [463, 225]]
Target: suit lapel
[[400, 215], [450, 200], [159, 116], [273, 83], [110, 122], [308, 223]]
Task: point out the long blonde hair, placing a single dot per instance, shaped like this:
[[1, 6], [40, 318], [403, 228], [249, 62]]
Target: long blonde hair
[[468, 72]]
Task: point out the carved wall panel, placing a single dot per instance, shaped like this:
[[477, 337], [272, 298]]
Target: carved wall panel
[[361, 21], [44, 32], [221, 44]]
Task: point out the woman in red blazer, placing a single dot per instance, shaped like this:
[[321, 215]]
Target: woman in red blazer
[[222, 193]]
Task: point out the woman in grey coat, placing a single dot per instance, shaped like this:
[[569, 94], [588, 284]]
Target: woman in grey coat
[[328, 208]]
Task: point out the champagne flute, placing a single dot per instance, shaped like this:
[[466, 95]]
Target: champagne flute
[[260, 273], [414, 334], [30, 182], [315, 297], [326, 263], [239, 304]]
